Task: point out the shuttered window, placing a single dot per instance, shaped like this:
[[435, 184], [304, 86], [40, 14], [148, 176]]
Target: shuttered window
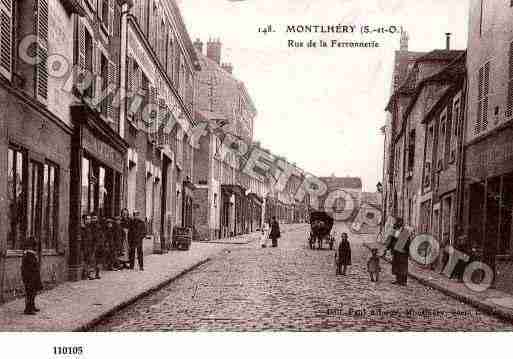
[[481, 123], [509, 102], [6, 27], [112, 111], [42, 50]]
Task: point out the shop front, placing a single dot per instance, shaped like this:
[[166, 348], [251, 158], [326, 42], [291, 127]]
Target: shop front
[[488, 196], [34, 178], [97, 165]]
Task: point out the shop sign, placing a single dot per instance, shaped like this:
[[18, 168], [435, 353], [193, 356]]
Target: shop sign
[[491, 158], [101, 150]]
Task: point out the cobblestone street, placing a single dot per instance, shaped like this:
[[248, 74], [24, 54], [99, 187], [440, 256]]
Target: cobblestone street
[[248, 288]]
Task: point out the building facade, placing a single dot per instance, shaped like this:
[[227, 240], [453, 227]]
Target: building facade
[[158, 67], [488, 167]]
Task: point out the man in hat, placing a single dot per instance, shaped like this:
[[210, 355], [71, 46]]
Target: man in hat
[[136, 234]]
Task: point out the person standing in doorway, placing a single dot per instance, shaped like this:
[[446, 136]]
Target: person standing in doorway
[[275, 232], [136, 234]]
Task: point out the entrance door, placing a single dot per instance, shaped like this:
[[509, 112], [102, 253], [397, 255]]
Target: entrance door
[[506, 231], [476, 208], [163, 201]]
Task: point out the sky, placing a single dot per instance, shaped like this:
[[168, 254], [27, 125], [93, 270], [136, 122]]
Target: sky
[[322, 108]]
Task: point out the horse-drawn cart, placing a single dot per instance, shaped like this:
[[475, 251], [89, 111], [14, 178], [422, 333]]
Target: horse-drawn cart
[[321, 224]]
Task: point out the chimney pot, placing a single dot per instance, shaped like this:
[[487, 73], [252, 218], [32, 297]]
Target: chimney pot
[[214, 50], [447, 40]]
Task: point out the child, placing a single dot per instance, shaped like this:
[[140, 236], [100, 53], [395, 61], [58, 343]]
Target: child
[[31, 276], [373, 266]]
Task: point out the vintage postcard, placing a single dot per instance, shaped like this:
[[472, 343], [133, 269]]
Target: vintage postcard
[[255, 166]]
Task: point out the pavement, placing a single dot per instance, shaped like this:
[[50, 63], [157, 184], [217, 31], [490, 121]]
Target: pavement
[[78, 306], [491, 301], [294, 288]]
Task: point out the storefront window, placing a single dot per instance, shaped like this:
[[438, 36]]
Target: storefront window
[[100, 188], [16, 194], [50, 174], [84, 205], [34, 200]]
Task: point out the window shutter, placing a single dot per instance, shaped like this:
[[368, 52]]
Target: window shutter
[[6, 38], [486, 91], [477, 124], [509, 106], [170, 55], [111, 113], [42, 50], [112, 4], [97, 58]]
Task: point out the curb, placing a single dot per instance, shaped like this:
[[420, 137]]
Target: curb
[[486, 308], [86, 327]]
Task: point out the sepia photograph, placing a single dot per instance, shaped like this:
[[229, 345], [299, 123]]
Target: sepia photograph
[[250, 166]]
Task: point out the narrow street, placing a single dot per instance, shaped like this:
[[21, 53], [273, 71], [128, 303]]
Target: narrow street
[[249, 288]]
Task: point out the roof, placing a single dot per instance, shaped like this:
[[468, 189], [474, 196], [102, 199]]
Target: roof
[[342, 182], [409, 84], [441, 55], [218, 92]]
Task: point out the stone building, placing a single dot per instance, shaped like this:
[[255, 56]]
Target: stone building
[[422, 88], [230, 202], [404, 60], [158, 66], [61, 146], [488, 167], [441, 153]]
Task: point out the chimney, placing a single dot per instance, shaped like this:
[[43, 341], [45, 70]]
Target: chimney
[[214, 50], [198, 45], [404, 41], [227, 67], [447, 40]]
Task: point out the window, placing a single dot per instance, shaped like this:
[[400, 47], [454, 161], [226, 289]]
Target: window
[[441, 142], [16, 197], [483, 90], [89, 60], [33, 188], [105, 12], [104, 75], [455, 131], [50, 197], [411, 151]]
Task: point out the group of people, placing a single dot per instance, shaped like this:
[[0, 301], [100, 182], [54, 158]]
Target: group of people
[[398, 243], [104, 243], [111, 243]]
